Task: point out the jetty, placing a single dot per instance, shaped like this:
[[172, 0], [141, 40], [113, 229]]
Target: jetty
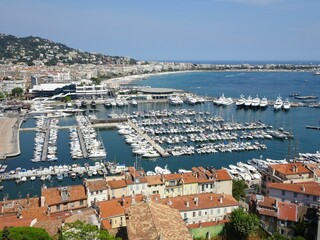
[[155, 145], [82, 144], [45, 144]]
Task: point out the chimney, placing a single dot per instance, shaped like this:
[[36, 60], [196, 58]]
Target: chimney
[[221, 199], [187, 204], [42, 201], [196, 201], [211, 198], [303, 188]]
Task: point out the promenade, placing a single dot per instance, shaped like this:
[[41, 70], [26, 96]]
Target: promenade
[[9, 140]]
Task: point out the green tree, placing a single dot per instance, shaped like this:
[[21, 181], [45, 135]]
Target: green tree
[[300, 227], [17, 92], [2, 96], [67, 99], [24, 233], [277, 236], [298, 238], [242, 224], [81, 231], [238, 187]]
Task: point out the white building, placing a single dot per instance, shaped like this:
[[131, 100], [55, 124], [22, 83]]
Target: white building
[[8, 85]]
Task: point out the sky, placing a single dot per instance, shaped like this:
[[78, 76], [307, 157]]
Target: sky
[[217, 30]]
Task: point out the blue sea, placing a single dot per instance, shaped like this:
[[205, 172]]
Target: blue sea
[[213, 84]]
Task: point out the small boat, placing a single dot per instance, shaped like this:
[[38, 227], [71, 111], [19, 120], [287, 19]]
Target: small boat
[[264, 102], [23, 179], [286, 105], [73, 175], [89, 173], [59, 176], [93, 104], [240, 102], [32, 178], [278, 103], [43, 178]]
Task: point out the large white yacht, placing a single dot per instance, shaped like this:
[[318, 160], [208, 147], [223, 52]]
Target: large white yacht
[[286, 104], [255, 102], [264, 102], [278, 103], [240, 102], [248, 101]]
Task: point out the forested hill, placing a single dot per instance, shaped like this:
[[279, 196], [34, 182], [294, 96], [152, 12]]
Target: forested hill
[[35, 50]]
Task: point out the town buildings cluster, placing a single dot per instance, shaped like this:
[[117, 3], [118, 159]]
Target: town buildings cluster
[[201, 197]]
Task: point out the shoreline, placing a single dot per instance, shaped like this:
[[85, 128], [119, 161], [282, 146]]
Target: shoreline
[[130, 78]]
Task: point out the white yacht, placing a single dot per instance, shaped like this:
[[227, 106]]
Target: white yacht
[[220, 100], [227, 101], [134, 102], [264, 102], [118, 168], [278, 103], [286, 104], [175, 100], [255, 102], [248, 101], [160, 170], [240, 102]]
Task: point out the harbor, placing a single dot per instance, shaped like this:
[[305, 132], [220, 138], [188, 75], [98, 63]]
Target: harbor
[[192, 134]]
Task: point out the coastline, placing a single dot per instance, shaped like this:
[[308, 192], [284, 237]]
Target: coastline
[[130, 78]]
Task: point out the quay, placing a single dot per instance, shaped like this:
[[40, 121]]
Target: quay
[[156, 146], [64, 170], [96, 125], [82, 144], [45, 144]]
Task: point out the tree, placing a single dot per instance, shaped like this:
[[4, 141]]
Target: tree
[[2, 96], [277, 236], [238, 187], [81, 231], [22, 233], [67, 99], [242, 224], [17, 91]]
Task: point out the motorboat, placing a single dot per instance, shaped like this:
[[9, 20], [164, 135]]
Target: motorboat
[[220, 100], [278, 103], [286, 104], [255, 102], [227, 101], [134, 102], [248, 101], [264, 102], [160, 170], [240, 102]]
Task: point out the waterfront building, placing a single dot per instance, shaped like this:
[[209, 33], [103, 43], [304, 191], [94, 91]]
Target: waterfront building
[[305, 194], [96, 190], [52, 89], [8, 85], [190, 183], [285, 173], [117, 188], [60, 199]]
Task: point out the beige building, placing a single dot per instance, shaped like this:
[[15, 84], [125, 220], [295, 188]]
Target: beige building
[[60, 199], [96, 190]]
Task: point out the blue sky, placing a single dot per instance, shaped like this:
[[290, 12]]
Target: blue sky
[[173, 29]]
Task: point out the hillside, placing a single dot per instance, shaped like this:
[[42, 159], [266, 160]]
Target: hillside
[[36, 50]]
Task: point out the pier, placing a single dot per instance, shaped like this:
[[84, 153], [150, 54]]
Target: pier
[[156, 146], [82, 144], [45, 145], [96, 125]]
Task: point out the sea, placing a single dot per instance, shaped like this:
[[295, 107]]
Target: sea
[[210, 84]]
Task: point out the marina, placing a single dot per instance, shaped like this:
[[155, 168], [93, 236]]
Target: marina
[[191, 133]]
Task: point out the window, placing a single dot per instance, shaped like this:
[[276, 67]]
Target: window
[[211, 211], [58, 207], [295, 195], [185, 215], [199, 213], [193, 214], [218, 210], [225, 210], [314, 198], [283, 192], [81, 202]]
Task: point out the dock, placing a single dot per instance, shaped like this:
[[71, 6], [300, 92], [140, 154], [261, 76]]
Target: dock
[[156, 146], [82, 144], [96, 125], [45, 144]]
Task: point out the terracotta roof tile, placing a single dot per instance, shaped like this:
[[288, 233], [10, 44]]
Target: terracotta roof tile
[[208, 224], [267, 202], [172, 176], [13, 221], [205, 200], [311, 188], [223, 175], [96, 185], [154, 180], [106, 224], [287, 212], [267, 212], [113, 184], [155, 221], [111, 208], [290, 168], [189, 178], [53, 195]]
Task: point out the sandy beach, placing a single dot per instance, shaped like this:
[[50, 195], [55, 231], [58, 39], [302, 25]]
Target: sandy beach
[[128, 79], [9, 139]]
